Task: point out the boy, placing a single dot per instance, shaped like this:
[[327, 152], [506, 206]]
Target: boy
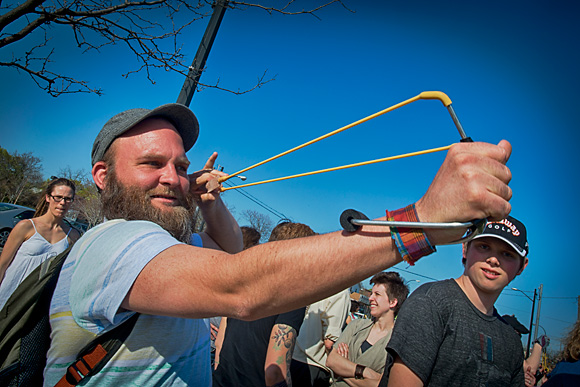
[[448, 333]]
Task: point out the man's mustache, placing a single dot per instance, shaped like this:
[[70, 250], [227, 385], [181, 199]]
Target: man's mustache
[[169, 193]]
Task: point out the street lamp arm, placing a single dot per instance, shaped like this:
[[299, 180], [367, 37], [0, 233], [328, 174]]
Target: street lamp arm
[[521, 291]]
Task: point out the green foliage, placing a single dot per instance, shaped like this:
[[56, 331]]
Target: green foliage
[[20, 178]]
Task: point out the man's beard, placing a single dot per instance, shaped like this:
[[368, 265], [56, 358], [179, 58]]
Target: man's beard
[[131, 203]]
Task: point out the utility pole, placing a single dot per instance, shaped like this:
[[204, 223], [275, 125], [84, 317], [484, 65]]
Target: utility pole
[[198, 64], [531, 323], [195, 70], [538, 313]]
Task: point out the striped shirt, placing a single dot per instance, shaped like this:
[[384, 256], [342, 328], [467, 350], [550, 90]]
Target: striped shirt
[[96, 276]]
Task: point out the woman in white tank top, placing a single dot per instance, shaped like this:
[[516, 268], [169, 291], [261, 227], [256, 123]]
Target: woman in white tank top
[[32, 241]]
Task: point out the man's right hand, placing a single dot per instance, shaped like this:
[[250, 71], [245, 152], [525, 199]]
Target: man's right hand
[[472, 183]]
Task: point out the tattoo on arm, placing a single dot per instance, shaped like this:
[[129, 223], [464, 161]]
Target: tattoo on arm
[[284, 339]]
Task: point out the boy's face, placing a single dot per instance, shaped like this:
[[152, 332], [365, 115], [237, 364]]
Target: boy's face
[[491, 264]]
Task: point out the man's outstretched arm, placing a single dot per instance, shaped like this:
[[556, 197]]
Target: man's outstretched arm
[[186, 281]]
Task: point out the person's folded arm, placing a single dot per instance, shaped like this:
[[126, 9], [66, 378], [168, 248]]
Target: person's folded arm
[[343, 367]]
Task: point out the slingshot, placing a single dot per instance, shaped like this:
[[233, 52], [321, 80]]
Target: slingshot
[[351, 220]]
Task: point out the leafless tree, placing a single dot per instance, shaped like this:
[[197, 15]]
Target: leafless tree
[[261, 222], [89, 206], [79, 176], [149, 29]]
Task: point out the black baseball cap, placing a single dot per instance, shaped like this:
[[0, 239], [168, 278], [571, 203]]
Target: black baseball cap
[[179, 115], [509, 230]]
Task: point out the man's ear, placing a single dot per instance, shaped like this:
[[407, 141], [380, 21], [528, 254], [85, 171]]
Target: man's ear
[[523, 266], [393, 302], [99, 174]]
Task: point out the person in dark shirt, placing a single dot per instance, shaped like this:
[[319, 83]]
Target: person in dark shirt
[[259, 353]]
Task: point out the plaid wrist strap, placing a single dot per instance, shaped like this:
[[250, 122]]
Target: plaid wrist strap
[[412, 243]]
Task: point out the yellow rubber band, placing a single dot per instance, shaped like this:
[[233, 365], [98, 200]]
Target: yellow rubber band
[[424, 95], [342, 167]]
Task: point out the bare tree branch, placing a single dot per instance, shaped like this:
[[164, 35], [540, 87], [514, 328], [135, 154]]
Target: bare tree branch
[[53, 83], [149, 29], [19, 11], [284, 9], [261, 222]]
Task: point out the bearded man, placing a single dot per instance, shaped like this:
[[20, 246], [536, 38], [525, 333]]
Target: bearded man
[[143, 259], [140, 167]]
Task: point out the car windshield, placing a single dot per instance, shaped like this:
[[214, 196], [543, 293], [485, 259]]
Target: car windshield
[[25, 215], [6, 207]]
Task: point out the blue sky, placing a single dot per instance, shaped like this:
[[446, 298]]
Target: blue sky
[[510, 68]]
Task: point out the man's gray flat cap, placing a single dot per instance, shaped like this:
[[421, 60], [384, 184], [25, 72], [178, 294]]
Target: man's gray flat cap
[[179, 115]]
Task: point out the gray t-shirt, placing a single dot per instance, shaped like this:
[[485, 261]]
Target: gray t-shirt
[[444, 339]]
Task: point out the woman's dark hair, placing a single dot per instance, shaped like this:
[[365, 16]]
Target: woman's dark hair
[[42, 205], [354, 306], [395, 285]]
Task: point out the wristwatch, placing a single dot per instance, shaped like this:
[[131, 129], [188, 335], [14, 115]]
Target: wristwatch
[[358, 371]]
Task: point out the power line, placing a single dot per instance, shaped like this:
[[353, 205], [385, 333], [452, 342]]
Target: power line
[[417, 274], [506, 294], [567, 298], [556, 319], [520, 290], [513, 295], [257, 201], [528, 291]]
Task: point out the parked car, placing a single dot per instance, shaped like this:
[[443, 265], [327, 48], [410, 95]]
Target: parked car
[[10, 214], [80, 226]]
